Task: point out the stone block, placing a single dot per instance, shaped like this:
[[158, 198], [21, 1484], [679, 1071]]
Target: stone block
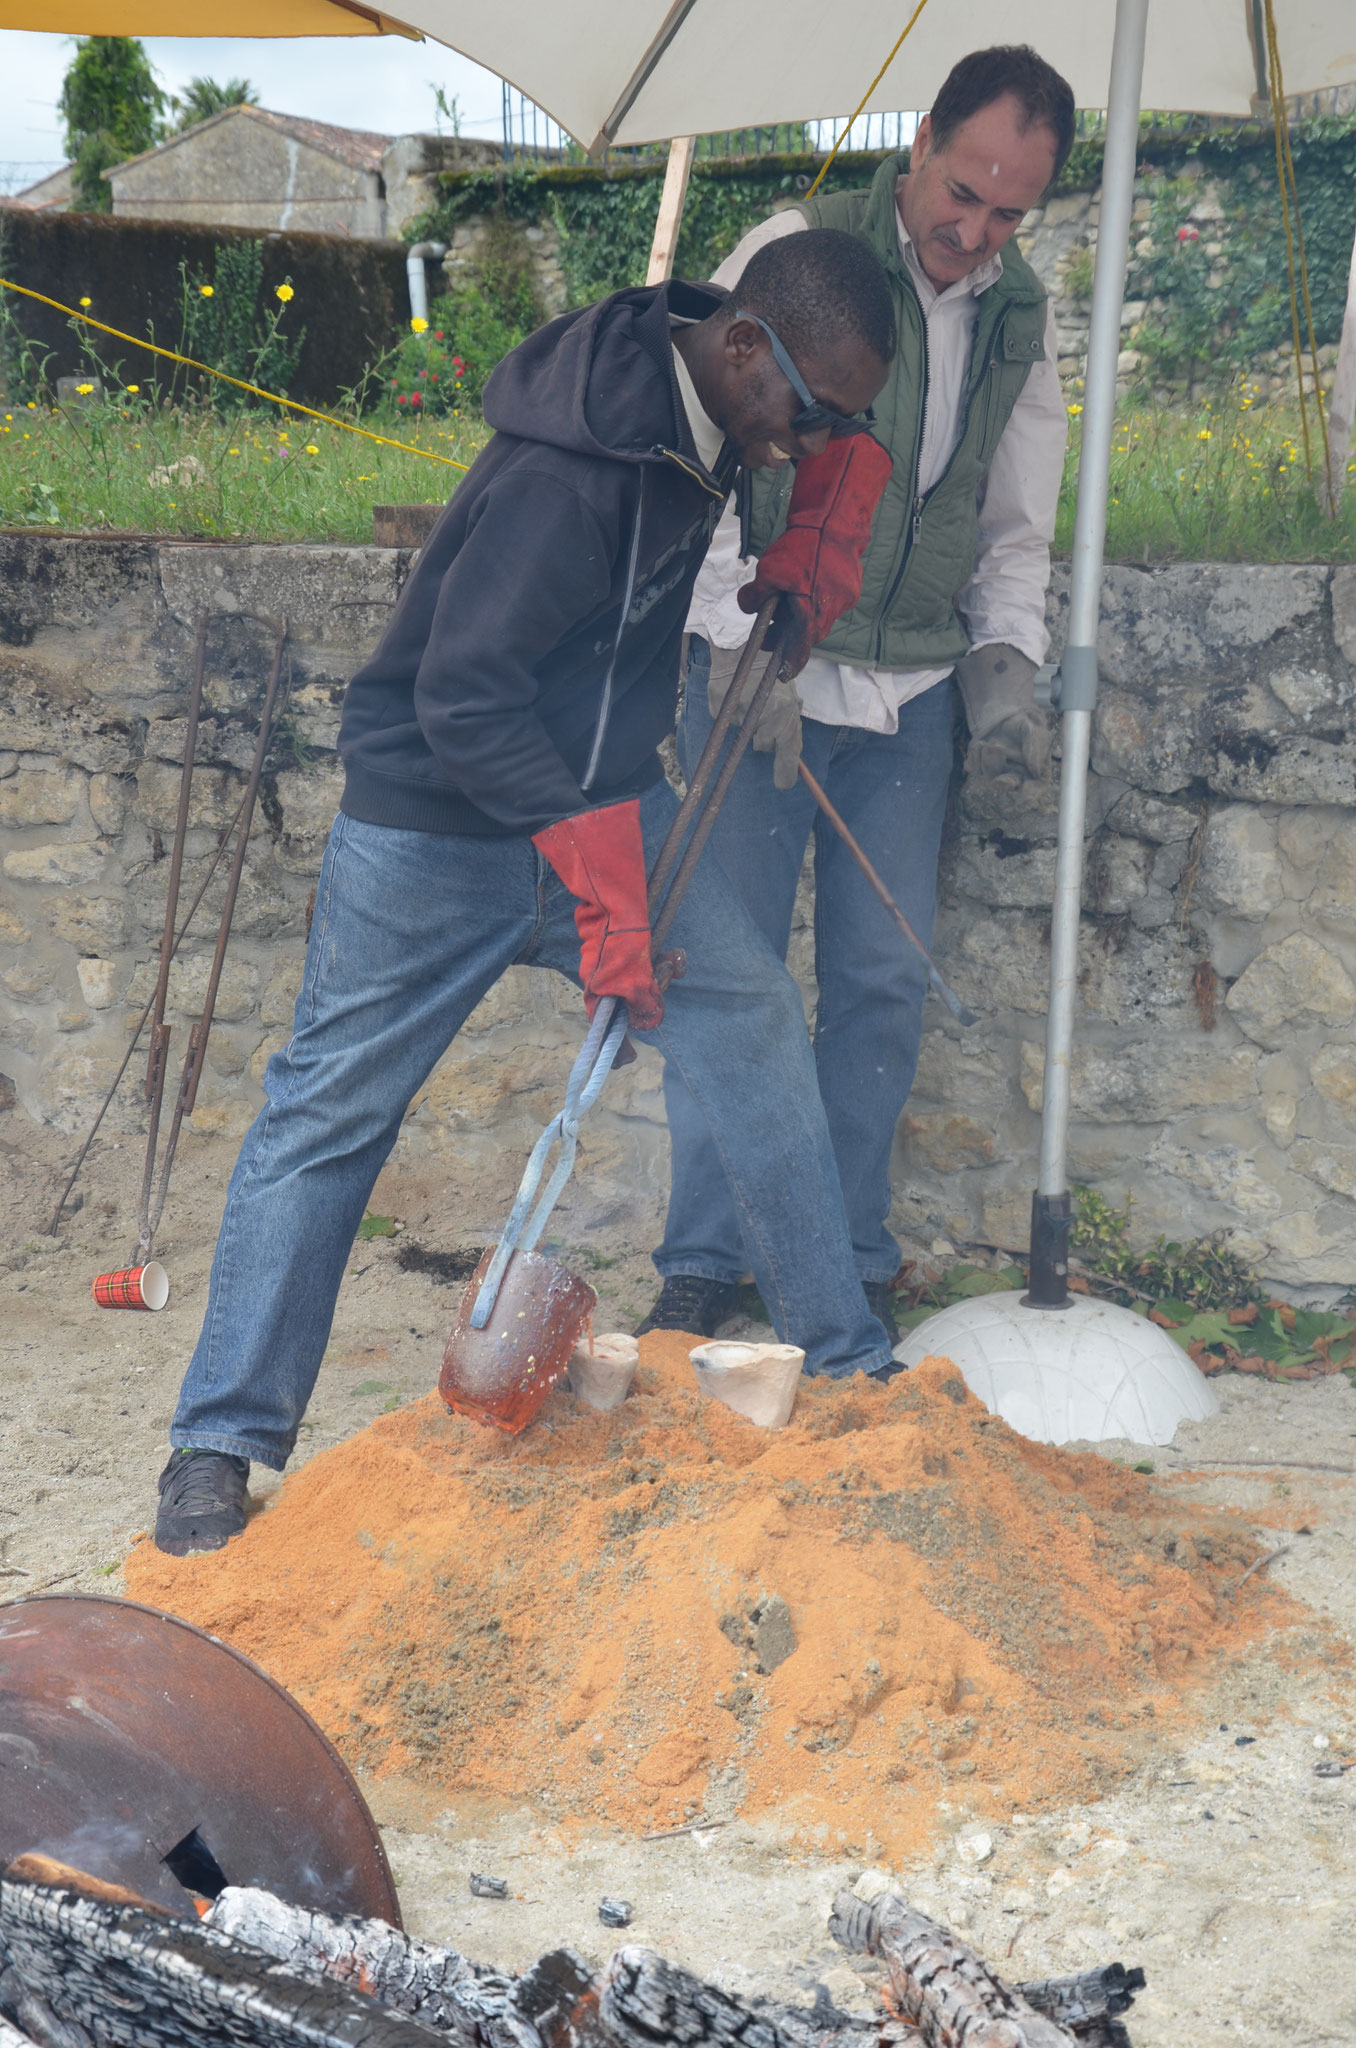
[[1332, 1166], [997, 960], [98, 982], [13, 930], [92, 924], [1303, 691], [1344, 610], [1148, 817], [336, 600], [1122, 872], [969, 1070], [1305, 834], [1332, 900], [1241, 867], [71, 1084], [212, 800], [31, 981], [61, 862], [41, 796], [1230, 1173], [109, 796], [1151, 1081], [475, 1090], [71, 732], [263, 1053], [1152, 745], [279, 1000], [1311, 768], [949, 1142], [237, 992], [1334, 1075], [1006, 1218], [1290, 987], [307, 800], [1006, 874]]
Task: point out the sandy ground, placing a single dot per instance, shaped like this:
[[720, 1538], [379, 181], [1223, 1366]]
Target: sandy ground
[[1227, 1867]]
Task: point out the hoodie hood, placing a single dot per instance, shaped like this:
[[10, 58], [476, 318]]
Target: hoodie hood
[[574, 384]]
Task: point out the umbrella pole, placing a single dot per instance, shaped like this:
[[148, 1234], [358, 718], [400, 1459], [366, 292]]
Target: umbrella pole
[[665, 244], [1074, 691]]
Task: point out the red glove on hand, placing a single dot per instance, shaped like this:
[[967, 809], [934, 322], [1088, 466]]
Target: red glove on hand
[[600, 857], [817, 561]]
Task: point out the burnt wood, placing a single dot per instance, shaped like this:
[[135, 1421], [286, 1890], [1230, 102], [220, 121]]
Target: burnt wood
[[950, 1993]]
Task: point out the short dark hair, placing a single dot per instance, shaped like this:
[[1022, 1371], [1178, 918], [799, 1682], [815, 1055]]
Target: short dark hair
[[984, 76], [819, 286]]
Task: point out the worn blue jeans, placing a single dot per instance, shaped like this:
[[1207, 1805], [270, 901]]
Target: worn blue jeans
[[891, 789], [410, 931]]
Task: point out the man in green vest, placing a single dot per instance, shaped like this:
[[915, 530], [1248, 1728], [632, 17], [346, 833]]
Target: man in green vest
[[953, 597]]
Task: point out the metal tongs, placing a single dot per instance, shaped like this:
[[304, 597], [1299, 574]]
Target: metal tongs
[[668, 882]]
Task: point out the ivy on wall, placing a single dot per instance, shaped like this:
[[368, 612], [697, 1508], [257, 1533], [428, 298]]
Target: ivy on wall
[[1219, 289], [1210, 314], [605, 216]]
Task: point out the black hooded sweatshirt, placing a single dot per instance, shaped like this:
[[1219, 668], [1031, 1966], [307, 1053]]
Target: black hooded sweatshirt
[[530, 668]]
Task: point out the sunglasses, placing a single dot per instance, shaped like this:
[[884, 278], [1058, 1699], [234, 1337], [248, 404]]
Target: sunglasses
[[814, 415]]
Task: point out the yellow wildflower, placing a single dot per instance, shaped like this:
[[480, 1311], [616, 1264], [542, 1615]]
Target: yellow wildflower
[[284, 292], [83, 390], [311, 448], [418, 326], [232, 451], [1074, 410], [134, 387], [87, 302], [1204, 434], [207, 290]]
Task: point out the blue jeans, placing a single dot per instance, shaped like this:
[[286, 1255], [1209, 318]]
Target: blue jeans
[[410, 931], [891, 789]]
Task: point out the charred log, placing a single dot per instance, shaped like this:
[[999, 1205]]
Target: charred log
[[647, 2002], [81, 1972], [1093, 1995], [950, 1993]]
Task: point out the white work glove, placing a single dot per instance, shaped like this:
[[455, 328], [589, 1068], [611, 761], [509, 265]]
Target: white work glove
[[778, 729], [1009, 731]]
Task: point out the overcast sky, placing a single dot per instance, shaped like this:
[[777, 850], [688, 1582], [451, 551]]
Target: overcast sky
[[379, 82]]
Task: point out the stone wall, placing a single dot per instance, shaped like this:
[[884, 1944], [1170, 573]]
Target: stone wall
[[1215, 1072]]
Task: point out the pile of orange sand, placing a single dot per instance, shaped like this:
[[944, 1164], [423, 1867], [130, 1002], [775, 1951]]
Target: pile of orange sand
[[662, 1611]]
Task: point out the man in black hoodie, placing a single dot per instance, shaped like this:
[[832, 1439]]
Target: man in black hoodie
[[503, 796]]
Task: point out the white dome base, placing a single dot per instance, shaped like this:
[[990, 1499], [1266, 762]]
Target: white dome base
[[1088, 1371]]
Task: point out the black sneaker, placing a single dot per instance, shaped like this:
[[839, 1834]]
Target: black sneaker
[[202, 1501], [881, 1303], [687, 1302]]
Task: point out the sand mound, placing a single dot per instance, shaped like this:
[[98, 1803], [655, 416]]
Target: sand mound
[[639, 1616]]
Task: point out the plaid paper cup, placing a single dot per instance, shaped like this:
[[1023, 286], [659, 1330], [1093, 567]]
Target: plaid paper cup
[[133, 1287]]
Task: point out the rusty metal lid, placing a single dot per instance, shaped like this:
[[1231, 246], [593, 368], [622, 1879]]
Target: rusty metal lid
[[146, 1753]]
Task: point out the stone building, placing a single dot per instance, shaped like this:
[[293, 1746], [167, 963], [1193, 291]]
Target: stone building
[[250, 168]]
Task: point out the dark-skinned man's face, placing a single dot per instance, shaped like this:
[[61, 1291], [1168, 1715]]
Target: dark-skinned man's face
[[755, 403], [965, 197]]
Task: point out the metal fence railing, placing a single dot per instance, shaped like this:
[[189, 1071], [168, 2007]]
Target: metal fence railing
[[532, 137]]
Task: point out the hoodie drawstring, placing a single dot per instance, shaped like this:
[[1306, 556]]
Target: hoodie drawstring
[[605, 707]]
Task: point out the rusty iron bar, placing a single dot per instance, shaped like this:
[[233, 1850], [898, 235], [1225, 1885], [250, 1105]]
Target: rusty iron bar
[[158, 1055], [149, 1215], [839, 824], [701, 774]]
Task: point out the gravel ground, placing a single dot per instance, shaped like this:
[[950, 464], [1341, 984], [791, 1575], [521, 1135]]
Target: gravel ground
[[1227, 1867]]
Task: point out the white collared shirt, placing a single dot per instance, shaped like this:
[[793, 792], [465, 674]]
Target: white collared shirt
[[1004, 599], [707, 437]]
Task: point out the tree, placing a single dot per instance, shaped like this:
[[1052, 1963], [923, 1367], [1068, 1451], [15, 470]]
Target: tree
[[110, 103], [203, 97]]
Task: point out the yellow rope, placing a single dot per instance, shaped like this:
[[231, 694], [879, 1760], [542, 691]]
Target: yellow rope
[[865, 97], [240, 384], [1294, 243]]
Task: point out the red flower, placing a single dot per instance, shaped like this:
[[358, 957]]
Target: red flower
[[439, 335], [401, 399], [433, 377], [457, 363], [414, 398], [1188, 233]]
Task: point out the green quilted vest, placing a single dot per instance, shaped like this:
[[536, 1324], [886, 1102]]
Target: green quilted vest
[[922, 547]]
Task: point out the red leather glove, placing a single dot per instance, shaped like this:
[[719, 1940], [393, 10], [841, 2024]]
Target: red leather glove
[[817, 561], [600, 857]]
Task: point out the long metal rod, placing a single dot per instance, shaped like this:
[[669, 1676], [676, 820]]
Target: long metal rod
[[1099, 411], [160, 1037], [948, 995], [197, 1038]]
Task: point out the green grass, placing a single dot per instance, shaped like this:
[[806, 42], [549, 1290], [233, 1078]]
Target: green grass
[[130, 467], [1224, 483]]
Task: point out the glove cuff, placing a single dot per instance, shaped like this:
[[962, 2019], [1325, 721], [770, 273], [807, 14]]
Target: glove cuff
[[995, 682]]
